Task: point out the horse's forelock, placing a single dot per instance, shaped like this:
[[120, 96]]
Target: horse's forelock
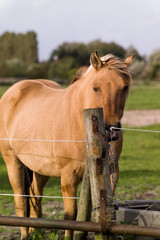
[[118, 65]]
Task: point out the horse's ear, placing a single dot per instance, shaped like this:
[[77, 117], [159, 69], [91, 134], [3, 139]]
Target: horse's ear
[[129, 60], [96, 61]]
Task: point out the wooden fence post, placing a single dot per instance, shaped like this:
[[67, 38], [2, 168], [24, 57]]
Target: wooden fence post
[[84, 206], [96, 185], [101, 193]]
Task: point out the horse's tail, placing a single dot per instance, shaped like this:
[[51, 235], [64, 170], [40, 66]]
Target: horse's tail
[[28, 174]]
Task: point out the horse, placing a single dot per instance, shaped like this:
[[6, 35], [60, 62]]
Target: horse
[[43, 130]]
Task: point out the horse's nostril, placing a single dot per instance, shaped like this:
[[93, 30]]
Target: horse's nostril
[[119, 124], [108, 127], [116, 127]]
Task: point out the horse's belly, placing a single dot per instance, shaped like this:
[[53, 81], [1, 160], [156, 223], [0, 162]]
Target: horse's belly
[[42, 165]]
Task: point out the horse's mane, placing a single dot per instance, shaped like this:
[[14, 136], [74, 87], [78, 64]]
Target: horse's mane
[[79, 74], [113, 63]]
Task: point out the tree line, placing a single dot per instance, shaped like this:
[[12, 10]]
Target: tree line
[[19, 58]]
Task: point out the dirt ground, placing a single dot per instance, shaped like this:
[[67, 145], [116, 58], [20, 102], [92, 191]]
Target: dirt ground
[[138, 118]]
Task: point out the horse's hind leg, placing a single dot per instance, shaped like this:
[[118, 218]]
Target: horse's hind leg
[[16, 176], [36, 188]]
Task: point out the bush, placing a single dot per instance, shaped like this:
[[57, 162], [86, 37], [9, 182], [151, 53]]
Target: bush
[[61, 68], [13, 68], [153, 66], [155, 73], [38, 70], [137, 68]]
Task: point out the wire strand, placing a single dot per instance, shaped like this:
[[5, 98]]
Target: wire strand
[[42, 140], [134, 129], [36, 196]]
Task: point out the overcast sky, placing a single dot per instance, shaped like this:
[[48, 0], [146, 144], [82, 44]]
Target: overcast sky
[[127, 22]]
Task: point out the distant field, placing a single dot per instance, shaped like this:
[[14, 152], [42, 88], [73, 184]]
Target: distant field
[[143, 97]]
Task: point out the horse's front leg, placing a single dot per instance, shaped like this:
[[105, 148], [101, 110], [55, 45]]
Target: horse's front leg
[[69, 184], [16, 176], [114, 176]]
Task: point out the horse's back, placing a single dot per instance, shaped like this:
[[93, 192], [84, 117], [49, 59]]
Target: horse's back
[[49, 83], [28, 88]]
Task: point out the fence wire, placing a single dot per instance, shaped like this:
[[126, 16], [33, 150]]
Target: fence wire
[[66, 141]]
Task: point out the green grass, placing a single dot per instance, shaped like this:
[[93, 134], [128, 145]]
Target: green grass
[[3, 89], [6, 206], [139, 165], [143, 97], [52, 188]]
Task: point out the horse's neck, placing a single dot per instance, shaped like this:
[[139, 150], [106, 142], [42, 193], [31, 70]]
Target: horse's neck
[[78, 94]]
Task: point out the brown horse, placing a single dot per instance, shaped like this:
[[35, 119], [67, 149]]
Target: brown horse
[[43, 110]]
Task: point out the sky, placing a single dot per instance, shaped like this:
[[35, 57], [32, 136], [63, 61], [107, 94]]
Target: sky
[[126, 22]]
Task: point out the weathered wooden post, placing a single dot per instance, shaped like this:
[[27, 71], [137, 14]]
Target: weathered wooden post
[[98, 169], [84, 206]]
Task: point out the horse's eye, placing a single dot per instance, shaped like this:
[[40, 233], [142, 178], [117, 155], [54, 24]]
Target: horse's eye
[[125, 88], [95, 89]]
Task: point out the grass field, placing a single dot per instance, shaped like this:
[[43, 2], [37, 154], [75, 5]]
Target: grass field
[[143, 97], [139, 165], [139, 162], [2, 90]]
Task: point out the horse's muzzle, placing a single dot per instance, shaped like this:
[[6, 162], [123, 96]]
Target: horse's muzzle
[[111, 133]]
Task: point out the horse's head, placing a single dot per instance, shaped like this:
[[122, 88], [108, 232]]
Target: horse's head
[[109, 82]]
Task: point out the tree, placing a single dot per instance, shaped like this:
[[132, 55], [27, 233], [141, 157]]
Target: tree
[[139, 63], [153, 66], [19, 46], [60, 69], [38, 70], [30, 48], [68, 57], [7, 46], [81, 52], [77, 51], [131, 50], [106, 48]]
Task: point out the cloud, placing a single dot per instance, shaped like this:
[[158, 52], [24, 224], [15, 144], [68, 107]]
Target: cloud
[[40, 3], [5, 4]]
